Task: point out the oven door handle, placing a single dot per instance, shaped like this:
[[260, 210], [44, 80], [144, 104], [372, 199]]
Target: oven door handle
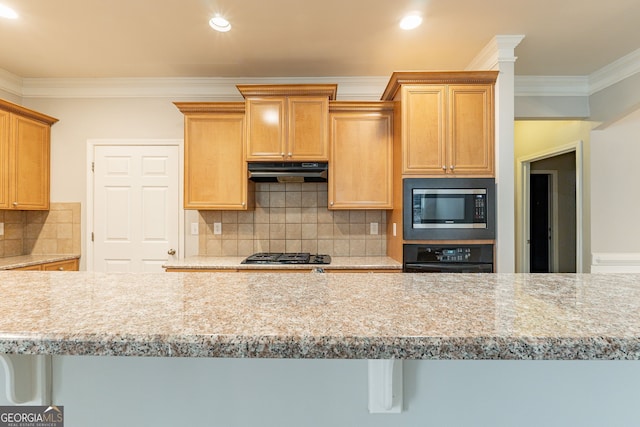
[[436, 267]]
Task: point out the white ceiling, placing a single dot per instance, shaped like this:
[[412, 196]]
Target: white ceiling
[[322, 38]]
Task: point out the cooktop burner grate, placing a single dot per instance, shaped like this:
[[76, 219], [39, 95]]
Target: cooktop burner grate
[[286, 258]]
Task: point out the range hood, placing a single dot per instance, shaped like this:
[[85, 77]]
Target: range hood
[[288, 171]]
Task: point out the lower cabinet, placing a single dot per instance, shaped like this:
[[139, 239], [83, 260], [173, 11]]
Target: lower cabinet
[[66, 265]]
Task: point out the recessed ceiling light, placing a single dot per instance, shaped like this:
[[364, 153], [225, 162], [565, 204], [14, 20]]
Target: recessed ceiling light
[[218, 23], [411, 21], [7, 12]]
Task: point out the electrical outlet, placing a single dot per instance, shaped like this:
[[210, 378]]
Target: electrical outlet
[[194, 228], [217, 228], [373, 228], [1, 228], [394, 230]]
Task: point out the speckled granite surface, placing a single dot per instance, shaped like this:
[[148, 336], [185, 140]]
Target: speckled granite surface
[[231, 263], [337, 316], [8, 263]]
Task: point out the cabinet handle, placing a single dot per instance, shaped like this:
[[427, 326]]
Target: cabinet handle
[[290, 154], [242, 203], [15, 203], [60, 268], [282, 154], [451, 167], [331, 203], [171, 251], [444, 167]]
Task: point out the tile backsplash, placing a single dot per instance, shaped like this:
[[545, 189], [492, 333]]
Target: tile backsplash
[[292, 217], [56, 231]]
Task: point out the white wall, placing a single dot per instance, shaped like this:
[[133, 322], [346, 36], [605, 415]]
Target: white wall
[[615, 197]]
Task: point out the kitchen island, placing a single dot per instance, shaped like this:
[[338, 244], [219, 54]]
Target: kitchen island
[[345, 316], [242, 349]]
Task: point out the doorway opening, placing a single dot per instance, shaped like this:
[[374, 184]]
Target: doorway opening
[[551, 211]]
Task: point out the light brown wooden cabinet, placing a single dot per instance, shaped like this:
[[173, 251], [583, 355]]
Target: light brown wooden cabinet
[[215, 172], [24, 158], [287, 129], [361, 162], [287, 122], [66, 265], [447, 122]]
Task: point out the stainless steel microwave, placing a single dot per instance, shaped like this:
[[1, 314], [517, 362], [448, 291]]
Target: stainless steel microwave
[[448, 208]]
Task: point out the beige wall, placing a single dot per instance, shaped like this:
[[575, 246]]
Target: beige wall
[[81, 119], [615, 199], [534, 137]]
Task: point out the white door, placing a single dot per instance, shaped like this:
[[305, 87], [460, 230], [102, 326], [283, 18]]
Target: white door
[[136, 206]]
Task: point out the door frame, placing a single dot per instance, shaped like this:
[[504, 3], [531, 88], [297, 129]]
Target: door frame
[[113, 142], [554, 261], [524, 169]]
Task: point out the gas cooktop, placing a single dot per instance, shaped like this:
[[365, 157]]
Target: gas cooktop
[[286, 258]]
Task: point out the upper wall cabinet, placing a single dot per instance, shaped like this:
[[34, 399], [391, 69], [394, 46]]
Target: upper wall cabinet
[[25, 138], [447, 122], [361, 163], [287, 122], [215, 172]]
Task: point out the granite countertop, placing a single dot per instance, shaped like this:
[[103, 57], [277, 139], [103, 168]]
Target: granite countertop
[[8, 263], [333, 316], [234, 263]]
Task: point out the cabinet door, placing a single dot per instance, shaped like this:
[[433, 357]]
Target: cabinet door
[[360, 169], [423, 124], [470, 138], [308, 119], [266, 128], [215, 173], [4, 160], [29, 164]]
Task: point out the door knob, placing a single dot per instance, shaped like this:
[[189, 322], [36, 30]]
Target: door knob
[[171, 251]]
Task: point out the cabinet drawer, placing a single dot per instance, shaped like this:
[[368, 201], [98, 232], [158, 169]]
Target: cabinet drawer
[[69, 265]]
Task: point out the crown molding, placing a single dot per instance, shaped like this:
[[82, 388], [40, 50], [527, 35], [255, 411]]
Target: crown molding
[[205, 88], [349, 88], [11, 83], [615, 72], [551, 86]]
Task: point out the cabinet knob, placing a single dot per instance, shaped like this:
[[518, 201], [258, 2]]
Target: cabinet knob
[[61, 268], [451, 167], [171, 251], [290, 154], [15, 203], [282, 154], [444, 167], [331, 203], [242, 203]]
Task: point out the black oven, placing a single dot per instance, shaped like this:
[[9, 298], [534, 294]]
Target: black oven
[[448, 208], [473, 258]]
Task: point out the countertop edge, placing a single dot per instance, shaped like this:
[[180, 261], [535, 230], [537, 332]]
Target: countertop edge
[[311, 347]]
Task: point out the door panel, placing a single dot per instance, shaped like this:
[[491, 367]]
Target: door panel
[[135, 207]]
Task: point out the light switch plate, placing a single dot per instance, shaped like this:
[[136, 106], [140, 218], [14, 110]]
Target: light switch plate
[[1, 228], [217, 228], [194, 228]]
